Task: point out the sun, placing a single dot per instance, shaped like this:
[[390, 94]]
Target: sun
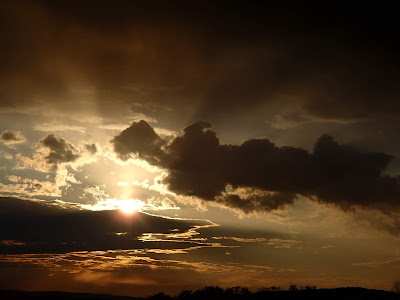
[[130, 206], [127, 206]]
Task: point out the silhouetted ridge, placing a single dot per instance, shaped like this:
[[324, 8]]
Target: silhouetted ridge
[[216, 292], [10, 294]]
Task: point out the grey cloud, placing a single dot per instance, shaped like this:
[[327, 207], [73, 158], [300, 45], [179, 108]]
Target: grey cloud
[[91, 148], [60, 151], [139, 139], [257, 202], [43, 228], [257, 175], [9, 137]]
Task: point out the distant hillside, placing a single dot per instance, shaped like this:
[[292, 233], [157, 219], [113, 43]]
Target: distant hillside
[[212, 292], [9, 294]]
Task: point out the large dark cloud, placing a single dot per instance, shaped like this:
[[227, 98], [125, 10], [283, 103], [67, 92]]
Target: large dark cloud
[[60, 151], [257, 175], [204, 59], [31, 227]]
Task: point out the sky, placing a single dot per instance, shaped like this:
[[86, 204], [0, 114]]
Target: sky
[[157, 146]]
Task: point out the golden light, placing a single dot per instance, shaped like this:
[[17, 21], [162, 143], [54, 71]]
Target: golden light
[[130, 206], [127, 206]]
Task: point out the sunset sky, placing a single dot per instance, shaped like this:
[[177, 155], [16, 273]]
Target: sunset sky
[[156, 146]]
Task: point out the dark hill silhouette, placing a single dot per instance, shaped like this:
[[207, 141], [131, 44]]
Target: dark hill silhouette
[[16, 295], [215, 292]]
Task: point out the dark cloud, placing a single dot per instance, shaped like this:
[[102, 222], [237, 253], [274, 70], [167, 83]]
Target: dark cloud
[[22, 208], [60, 151], [10, 137], [139, 139], [31, 227], [257, 175], [256, 202], [205, 59], [91, 148]]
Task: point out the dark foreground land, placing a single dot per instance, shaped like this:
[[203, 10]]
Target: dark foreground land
[[210, 293]]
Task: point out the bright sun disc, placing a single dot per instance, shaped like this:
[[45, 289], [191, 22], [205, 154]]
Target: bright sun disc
[[130, 206]]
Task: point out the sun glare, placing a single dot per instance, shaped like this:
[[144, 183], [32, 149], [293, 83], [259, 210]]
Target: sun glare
[[127, 206], [130, 206]]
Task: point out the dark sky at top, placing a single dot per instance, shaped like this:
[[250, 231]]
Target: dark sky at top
[[334, 60]]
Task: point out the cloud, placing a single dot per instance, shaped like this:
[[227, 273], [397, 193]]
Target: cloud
[[58, 126], [29, 187], [394, 263], [259, 176], [280, 243], [130, 270], [10, 138], [141, 140], [60, 151], [241, 60], [276, 242], [240, 239], [108, 278], [11, 243], [327, 247], [259, 200], [91, 148], [45, 227]]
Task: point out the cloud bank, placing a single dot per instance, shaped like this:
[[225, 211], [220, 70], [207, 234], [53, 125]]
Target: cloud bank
[[244, 57]]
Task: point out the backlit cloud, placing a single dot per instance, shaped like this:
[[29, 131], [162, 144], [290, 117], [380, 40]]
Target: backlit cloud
[[91, 148], [257, 175], [10, 138], [60, 151]]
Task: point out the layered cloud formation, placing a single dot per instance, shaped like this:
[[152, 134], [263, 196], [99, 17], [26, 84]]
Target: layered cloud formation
[[259, 176]]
